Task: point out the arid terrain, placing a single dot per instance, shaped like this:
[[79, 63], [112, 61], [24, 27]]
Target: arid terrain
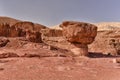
[[31, 51]]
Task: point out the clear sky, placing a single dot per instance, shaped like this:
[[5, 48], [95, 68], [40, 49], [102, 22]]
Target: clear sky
[[53, 12]]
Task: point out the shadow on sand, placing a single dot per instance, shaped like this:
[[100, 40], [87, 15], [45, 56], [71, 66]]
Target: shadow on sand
[[101, 55]]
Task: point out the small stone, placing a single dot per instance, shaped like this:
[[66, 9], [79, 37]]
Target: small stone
[[114, 61], [1, 69], [118, 60], [45, 47]]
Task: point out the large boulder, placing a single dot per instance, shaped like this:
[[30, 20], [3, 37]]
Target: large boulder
[[79, 34]]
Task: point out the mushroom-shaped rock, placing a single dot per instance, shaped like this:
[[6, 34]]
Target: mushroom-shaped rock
[[80, 34]]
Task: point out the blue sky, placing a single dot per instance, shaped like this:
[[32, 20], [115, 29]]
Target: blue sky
[[53, 12]]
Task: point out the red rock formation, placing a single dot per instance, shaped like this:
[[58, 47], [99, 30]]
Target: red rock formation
[[80, 34], [4, 29], [24, 25], [9, 31], [8, 20], [15, 28], [3, 41], [33, 36], [38, 27], [52, 32], [106, 42]]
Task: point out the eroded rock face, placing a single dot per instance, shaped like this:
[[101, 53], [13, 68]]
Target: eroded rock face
[[3, 41], [115, 45], [25, 25], [80, 34], [4, 29], [39, 27], [9, 31], [106, 42], [53, 35], [80, 49], [33, 36], [52, 32], [22, 29], [30, 30]]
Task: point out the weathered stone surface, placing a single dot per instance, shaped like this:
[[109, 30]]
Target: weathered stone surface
[[80, 50], [52, 32], [52, 35], [39, 27], [106, 42], [8, 20], [10, 27], [3, 41], [115, 45], [22, 29], [4, 29], [80, 32], [33, 36], [14, 32], [9, 31], [26, 25]]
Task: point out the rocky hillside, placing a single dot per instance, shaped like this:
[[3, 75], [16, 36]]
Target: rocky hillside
[[101, 26], [12, 21], [10, 27], [108, 26], [8, 20]]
